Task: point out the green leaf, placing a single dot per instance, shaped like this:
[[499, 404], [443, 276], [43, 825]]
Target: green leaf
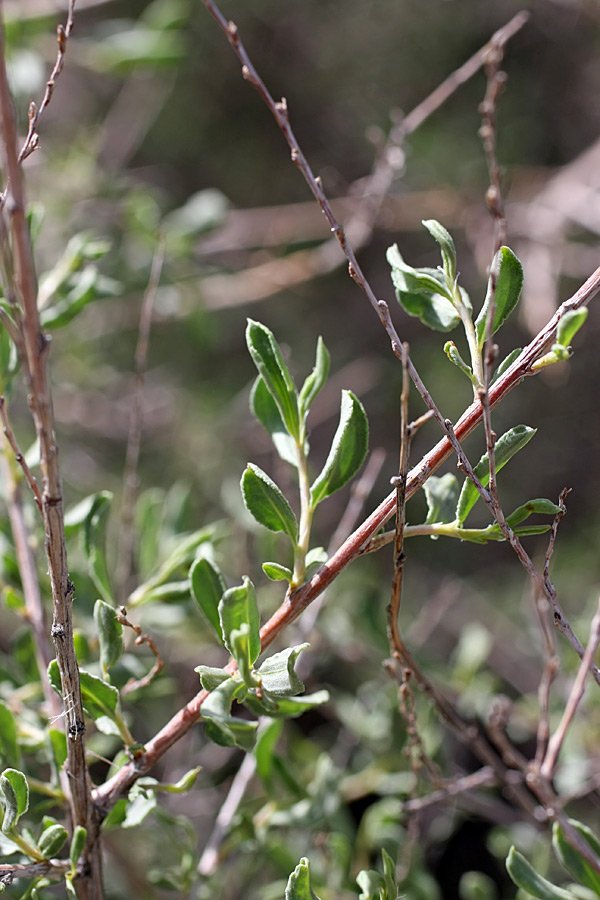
[[541, 505], [277, 672], [240, 643], [508, 291], [441, 495], [298, 886], [276, 572], [285, 707], [77, 844], [316, 380], [506, 364], [448, 250], [572, 860], [211, 677], [524, 876], [266, 503], [208, 586], [58, 746], [9, 748], [423, 293], [451, 351], [265, 409], [506, 446], [570, 324], [269, 361], [389, 875], [86, 286], [98, 697], [316, 557], [110, 634], [268, 736], [371, 884], [221, 727], [52, 840], [348, 450], [94, 543], [238, 606], [14, 797]]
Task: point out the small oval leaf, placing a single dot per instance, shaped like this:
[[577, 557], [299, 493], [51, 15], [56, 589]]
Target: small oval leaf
[[52, 840], [266, 503], [316, 379], [298, 886]]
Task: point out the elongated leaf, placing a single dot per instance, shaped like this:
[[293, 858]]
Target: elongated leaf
[[14, 796], [348, 450], [277, 672], [9, 748], [285, 707], [423, 293], [316, 379], [264, 750], [506, 364], [58, 747], [572, 860], [238, 606], [389, 874], [277, 572], [442, 496], [570, 324], [298, 886], [448, 250], [223, 728], [267, 412], [269, 361], [508, 291], [240, 643], [542, 506], [77, 844], [524, 876], [110, 634], [208, 586], [506, 446], [94, 543], [266, 503]]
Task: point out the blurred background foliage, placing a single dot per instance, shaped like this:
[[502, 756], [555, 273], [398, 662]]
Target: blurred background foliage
[[152, 127]]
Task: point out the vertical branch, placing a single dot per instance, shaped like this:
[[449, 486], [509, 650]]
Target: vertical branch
[[400, 485], [134, 439], [36, 347]]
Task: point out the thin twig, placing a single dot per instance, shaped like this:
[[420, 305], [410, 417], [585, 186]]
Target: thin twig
[[485, 777], [496, 79], [556, 741], [134, 440], [36, 347], [141, 638], [210, 855], [400, 484], [63, 33], [294, 604], [10, 437]]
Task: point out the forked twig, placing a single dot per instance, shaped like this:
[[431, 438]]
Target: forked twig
[[140, 638], [10, 437]]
